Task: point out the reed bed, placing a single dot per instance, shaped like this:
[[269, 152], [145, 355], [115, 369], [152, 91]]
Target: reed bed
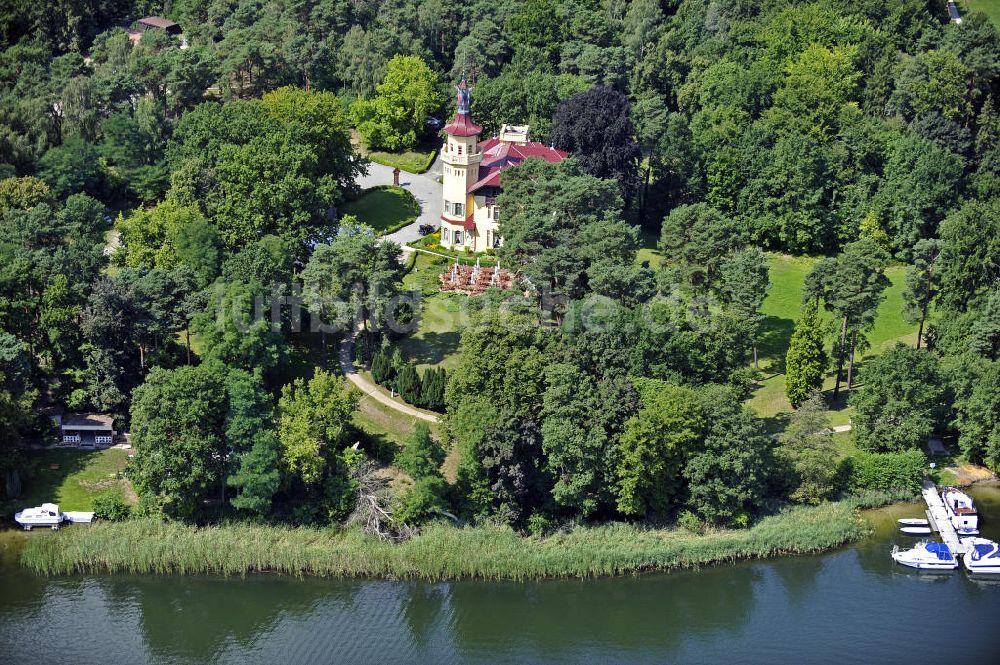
[[439, 552]]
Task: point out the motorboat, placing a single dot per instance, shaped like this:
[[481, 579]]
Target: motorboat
[[926, 556], [46, 514], [967, 532], [960, 508], [912, 521], [916, 530], [981, 556]]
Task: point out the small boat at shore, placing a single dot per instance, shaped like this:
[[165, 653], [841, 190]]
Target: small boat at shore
[[916, 530], [912, 521], [981, 556], [48, 514], [926, 556]]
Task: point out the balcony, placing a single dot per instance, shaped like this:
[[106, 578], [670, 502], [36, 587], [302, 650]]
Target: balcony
[[455, 159]]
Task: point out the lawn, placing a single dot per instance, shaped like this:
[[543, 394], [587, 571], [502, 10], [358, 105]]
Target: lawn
[[648, 253], [989, 7], [411, 161], [79, 476], [384, 208], [435, 342], [781, 308]]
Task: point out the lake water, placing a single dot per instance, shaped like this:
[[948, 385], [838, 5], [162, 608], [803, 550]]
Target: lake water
[[852, 605]]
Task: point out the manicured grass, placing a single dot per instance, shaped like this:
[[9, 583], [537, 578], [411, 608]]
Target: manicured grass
[[439, 552], [412, 161], [423, 273], [384, 208], [435, 342], [80, 476], [989, 7]]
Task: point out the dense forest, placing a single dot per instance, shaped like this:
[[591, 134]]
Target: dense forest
[[152, 185]]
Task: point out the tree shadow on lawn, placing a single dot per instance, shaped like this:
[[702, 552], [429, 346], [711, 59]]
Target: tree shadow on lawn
[[431, 347], [772, 344], [40, 484]]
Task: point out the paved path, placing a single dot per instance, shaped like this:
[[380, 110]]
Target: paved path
[[372, 390], [425, 189]]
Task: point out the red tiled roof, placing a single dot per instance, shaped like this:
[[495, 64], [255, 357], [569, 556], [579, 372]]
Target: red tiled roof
[[462, 125], [498, 155]]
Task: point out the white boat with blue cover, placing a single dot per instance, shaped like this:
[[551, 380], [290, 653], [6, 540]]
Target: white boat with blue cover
[[926, 556], [981, 556]]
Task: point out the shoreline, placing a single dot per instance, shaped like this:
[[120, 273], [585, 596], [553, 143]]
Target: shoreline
[[440, 552]]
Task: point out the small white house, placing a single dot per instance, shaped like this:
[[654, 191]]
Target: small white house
[[87, 430]]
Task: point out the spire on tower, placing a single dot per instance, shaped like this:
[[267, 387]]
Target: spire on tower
[[462, 124], [462, 103]]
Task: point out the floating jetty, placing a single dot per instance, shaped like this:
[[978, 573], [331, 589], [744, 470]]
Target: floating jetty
[[937, 517]]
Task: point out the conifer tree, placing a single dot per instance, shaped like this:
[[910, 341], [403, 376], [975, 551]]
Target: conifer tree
[[380, 367], [428, 385], [805, 362], [408, 384]]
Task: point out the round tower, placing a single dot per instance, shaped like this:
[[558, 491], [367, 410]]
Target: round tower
[[460, 156]]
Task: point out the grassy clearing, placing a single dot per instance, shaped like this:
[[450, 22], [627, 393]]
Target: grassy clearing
[[440, 552], [781, 309], [79, 476], [384, 208], [385, 425], [989, 7]]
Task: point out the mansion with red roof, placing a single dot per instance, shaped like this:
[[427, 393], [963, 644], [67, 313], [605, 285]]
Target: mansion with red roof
[[472, 177]]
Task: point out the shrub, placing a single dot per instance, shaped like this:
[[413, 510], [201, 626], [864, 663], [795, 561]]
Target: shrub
[[421, 501], [538, 524], [421, 456], [688, 520], [112, 507], [888, 472]]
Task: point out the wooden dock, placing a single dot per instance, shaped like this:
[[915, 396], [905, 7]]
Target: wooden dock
[[937, 517]]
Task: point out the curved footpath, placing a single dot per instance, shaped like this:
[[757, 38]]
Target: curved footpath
[[427, 191], [371, 389]]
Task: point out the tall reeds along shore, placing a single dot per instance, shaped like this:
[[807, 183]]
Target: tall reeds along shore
[[440, 552]]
